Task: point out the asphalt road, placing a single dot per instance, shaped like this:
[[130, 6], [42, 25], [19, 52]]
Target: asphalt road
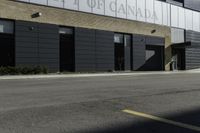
[[96, 104]]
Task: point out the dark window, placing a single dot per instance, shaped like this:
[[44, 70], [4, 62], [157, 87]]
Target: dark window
[[122, 51], [7, 47], [67, 51], [6, 27], [66, 31], [119, 38]]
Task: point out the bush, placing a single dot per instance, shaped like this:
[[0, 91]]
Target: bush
[[23, 70]]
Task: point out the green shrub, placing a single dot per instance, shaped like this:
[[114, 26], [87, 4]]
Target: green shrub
[[44, 70], [23, 70]]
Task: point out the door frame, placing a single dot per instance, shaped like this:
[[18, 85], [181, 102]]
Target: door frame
[[180, 53], [73, 58], [124, 47]]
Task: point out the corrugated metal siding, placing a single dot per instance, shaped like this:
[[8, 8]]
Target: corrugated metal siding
[[139, 54], [84, 49], [175, 2], [104, 50], [139, 50], [49, 46], [37, 44], [192, 54], [94, 50], [193, 37], [128, 58], [192, 4], [26, 41]]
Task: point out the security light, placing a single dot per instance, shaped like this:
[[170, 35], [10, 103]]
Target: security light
[[31, 28], [35, 15], [153, 31]]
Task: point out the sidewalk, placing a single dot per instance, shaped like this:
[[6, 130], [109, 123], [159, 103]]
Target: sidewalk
[[13, 77], [194, 70]]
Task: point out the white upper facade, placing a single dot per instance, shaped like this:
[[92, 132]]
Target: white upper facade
[[150, 11]]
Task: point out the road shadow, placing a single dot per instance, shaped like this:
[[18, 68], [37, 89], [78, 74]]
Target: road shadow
[[150, 126]]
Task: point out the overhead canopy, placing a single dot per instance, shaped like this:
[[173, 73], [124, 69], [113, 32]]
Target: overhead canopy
[[181, 45]]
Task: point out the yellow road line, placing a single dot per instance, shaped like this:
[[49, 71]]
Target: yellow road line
[[163, 120]]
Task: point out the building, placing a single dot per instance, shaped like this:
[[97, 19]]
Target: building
[[100, 35]]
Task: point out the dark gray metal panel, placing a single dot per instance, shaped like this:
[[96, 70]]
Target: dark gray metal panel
[[37, 44], [192, 53], [26, 51], [175, 2], [192, 4], [127, 52], [104, 53], [192, 57], [48, 38], [193, 37], [84, 49], [127, 58], [138, 51], [158, 41], [154, 58]]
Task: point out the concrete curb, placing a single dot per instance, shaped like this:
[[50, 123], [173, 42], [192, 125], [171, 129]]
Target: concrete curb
[[92, 75]]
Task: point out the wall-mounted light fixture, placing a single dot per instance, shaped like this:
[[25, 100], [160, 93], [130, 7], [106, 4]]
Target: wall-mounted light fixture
[[36, 15], [153, 31], [31, 28]]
